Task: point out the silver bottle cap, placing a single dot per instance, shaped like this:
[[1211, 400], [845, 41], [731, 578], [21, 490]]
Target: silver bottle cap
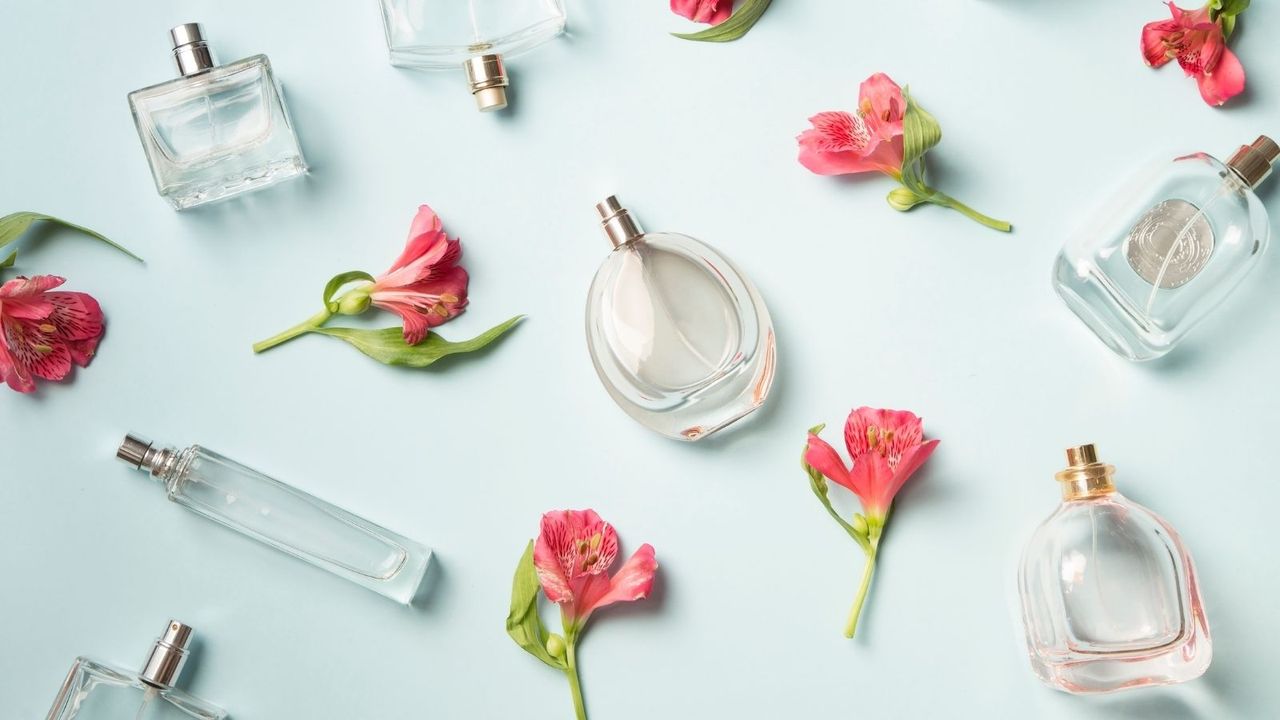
[[190, 50], [618, 224], [488, 79], [167, 657], [136, 451], [1253, 162]]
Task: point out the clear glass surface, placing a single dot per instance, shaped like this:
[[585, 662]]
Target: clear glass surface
[[679, 337], [297, 523], [97, 691], [217, 134], [1165, 252], [1110, 600], [441, 34]]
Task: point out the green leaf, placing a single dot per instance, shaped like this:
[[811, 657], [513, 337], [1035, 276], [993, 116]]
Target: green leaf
[[735, 27], [1228, 25], [14, 225], [387, 345], [920, 131], [8, 262], [524, 625], [1227, 8], [336, 283]]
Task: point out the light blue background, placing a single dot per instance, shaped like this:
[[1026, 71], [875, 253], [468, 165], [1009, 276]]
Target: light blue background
[[1046, 106]]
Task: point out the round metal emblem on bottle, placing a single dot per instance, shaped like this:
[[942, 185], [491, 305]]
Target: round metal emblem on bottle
[[1172, 226]]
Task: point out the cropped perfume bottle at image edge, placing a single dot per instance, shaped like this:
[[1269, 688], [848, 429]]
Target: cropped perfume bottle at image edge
[[99, 691], [1109, 594], [217, 131], [472, 35], [284, 517], [679, 336], [1169, 248]]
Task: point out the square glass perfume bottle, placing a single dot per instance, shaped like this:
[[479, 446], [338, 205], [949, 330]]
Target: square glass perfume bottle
[[475, 35], [679, 336], [1169, 249], [1109, 594], [100, 691], [217, 131]]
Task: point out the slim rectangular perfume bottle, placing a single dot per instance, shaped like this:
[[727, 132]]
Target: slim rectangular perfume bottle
[[1170, 248], [284, 517], [217, 131], [100, 691]]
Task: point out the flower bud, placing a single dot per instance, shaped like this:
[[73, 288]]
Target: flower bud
[[555, 646], [860, 524], [903, 199], [354, 302]]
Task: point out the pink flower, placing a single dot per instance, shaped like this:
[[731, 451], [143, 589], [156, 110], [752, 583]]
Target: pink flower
[[869, 139], [886, 446], [703, 11], [1200, 47], [425, 286], [42, 333], [573, 554]]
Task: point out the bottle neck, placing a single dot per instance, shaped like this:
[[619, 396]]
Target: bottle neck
[[1086, 482]]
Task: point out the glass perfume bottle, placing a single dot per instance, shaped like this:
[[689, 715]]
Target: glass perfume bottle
[[476, 35], [679, 336], [217, 131], [1167, 250], [99, 691], [284, 517], [1109, 594]]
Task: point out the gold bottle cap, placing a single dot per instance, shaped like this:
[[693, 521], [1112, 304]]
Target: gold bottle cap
[[488, 79], [1253, 163], [1086, 477]]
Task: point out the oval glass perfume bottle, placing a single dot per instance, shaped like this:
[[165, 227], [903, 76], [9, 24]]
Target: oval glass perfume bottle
[[679, 336], [472, 35], [1167, 250], [1109, 593], [284, 517]]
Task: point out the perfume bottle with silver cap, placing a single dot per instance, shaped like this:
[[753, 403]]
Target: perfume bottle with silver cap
[[474, 35], [678, 335], [217, 131], [99, 691], [284, 517], [1169, 248], [1109, 594]]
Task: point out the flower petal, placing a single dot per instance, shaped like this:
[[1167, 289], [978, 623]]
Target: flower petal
[[882, 105], [550, 573], [633, 581], [826, 460], [1225, 82], [35, 350], [912, 459], [76, 315], [29, 286], [11, 374], [1154, 50], [703, 11]]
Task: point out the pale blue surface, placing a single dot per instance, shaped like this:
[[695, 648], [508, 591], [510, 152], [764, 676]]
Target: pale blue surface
[[1045, 106]]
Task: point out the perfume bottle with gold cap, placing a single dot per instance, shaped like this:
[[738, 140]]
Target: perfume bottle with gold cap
[[96, 690], [1109, 593], [679, 336], [1171, 246], [473, 35]]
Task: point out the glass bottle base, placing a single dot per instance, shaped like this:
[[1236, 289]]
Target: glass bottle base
[[187, 196], [1118, 326]]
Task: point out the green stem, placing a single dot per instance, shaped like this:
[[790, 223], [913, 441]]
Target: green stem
[[305, 326], [867, 571], [940, 198], [571, 671]]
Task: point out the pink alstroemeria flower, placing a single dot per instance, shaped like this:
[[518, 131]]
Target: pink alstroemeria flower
[[425, 286], [573, 555], [42, 333], [1200, 47], [886, 447], [841, 143], [703, 11]]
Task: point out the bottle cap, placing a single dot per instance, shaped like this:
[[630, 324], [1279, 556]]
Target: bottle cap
[[168, 655], [1085, 477], [1253, 163], [618, 224], [190, 50], [488, 79], [134, 451]]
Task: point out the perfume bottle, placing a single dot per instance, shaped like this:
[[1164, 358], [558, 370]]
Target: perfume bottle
[[1109, 593], [1167, 250], [679, 336], [284, 517], [446, 34], [217, 131], [98, 691]]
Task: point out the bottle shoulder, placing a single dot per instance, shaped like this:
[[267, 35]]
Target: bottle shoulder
[[244, 71], [1077, 526]]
